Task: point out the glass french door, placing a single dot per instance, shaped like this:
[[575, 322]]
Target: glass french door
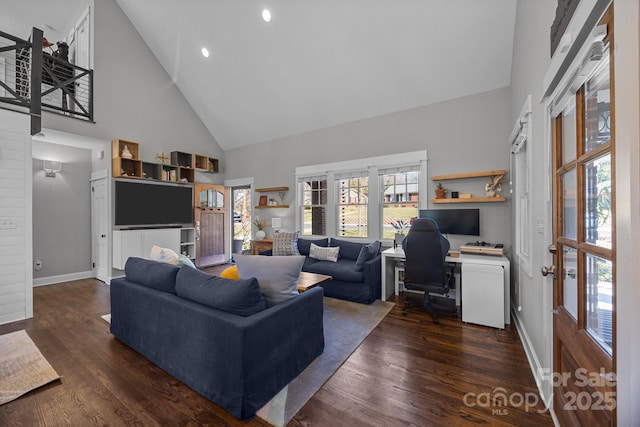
[[584, 234]]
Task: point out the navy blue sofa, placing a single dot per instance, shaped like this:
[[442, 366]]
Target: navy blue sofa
[[238, 361], [348, 281]]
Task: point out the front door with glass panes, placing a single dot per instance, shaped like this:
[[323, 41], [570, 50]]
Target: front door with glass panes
[[210, 211], [584, 234]]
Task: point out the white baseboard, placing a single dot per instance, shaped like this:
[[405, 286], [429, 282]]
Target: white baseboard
[[534, 363], [42, 281]]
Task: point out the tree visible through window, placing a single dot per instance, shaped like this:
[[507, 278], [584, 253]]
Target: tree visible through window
[[400, 198]]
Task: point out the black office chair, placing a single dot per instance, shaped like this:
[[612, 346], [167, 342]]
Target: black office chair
[[425, 269]]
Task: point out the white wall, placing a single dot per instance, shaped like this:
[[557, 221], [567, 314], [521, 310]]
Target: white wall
[[61, 213], [462, 135], [16, 299]]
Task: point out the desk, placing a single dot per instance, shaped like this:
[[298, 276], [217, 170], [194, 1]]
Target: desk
[[261, 245], [392, 255]]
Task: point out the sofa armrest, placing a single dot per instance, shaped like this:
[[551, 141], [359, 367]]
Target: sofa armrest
[[373, 275]]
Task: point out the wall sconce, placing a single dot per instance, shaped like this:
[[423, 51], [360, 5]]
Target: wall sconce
[[51, 168], [276, 224]]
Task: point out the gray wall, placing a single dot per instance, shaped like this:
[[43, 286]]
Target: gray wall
[[530, 62], [61, 211], [531, 58], [462, 135], [134, 98]]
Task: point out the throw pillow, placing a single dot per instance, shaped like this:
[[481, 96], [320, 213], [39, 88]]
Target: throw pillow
[[277, 275], [367, 253], [285, 244], [230, 273], [163, 255], [304, 245], [238, 297], [185, 260], [324, 254]]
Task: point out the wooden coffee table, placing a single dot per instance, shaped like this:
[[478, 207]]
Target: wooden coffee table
[[307, 281]]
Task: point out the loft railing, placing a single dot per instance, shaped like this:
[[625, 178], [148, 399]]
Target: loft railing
[[35, 80]]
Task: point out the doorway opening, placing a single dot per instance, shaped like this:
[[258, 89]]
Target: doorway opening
[[241, 219]]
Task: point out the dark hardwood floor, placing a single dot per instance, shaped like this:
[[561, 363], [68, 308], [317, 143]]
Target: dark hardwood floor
[[407, 372]]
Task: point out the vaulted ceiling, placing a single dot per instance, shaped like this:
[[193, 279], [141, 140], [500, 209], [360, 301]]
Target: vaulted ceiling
[[321, 63]]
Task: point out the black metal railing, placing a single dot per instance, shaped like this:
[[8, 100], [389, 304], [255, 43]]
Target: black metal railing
[[34, 80]]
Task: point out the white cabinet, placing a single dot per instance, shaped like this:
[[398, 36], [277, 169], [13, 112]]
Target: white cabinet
[[188, 242], [483, 296], [138, 243]]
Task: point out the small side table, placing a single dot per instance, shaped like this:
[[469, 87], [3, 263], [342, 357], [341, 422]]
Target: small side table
[[260, 245]]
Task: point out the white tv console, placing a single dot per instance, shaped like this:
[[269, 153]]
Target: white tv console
[[138, 243]]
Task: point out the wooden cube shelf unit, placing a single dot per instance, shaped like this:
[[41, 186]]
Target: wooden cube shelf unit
[[491, 173], [118, 145], [131, 167], [182, 168], [206, 164]]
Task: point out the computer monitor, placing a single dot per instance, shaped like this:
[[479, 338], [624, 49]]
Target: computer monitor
[[455, 221]]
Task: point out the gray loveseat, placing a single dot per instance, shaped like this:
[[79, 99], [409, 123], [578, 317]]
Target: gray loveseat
[[238, 355]]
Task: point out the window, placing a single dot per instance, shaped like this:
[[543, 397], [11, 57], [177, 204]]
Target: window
[[314, 206], [400, 197], [521, 164], [359, 198], [353, 201]]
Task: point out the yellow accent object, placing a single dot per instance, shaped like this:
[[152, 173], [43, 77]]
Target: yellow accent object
[[230, 273]]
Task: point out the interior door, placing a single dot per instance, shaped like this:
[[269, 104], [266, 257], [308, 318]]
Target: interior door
[[210, 213], [99, 228], [584, 236]]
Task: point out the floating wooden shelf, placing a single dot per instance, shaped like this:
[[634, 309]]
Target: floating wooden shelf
[[271, 207], [271, 189], [468, 175], [471, 200]]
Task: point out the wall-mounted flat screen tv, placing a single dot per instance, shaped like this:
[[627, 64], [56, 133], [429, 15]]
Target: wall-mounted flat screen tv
[[140, 204], [455, 221]]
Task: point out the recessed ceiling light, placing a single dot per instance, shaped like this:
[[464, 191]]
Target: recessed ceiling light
[[266, 15], [205, 52]]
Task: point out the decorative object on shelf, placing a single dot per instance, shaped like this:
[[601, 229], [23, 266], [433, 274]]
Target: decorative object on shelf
[[126, 154], [162, 157], [272, 202], [400, 227], [261, 224], [493, 186], [282, 195], [454, 194], [262, 201], [440, 191]]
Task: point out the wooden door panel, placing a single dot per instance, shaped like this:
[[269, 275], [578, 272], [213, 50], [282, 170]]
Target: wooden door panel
[[210, 216], [583, 225]]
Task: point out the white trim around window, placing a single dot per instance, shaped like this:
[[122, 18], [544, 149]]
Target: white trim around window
[[369, 166]]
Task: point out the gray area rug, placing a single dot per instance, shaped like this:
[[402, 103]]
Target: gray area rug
[[22, 367], [346, 325]]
